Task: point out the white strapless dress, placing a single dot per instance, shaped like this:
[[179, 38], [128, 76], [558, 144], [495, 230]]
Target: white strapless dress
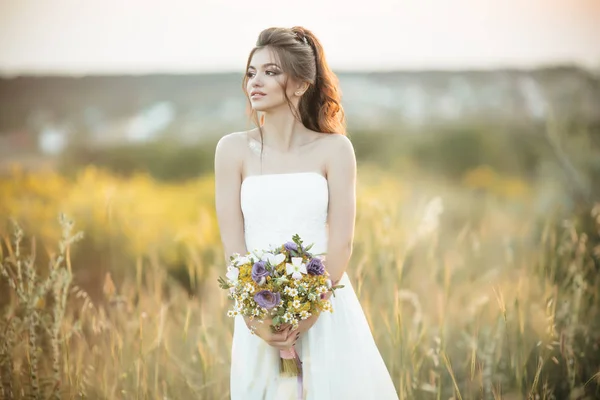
[[340, 358]]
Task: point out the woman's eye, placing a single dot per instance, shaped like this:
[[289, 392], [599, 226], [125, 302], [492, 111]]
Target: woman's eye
[[250, 74], [271, 73]]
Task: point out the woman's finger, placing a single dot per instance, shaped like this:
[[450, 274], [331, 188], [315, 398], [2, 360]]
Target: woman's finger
[[285, 343], [280, 336], [283, 327], [293, 332]]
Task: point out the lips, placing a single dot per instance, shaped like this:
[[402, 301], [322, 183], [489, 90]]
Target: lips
[[257, 94]]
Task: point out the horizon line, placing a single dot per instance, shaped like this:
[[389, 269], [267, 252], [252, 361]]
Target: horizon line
[[52, 72]]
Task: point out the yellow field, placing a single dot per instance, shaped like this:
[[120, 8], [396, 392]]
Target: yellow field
[[459, 283]]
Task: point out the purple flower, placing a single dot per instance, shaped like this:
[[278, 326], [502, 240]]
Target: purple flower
[[291, 246], [315, 267], [267, 299], [259, 272]]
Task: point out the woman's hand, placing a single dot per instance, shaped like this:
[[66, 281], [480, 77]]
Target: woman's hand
[[305, 325], [283, 339], [327, 295]]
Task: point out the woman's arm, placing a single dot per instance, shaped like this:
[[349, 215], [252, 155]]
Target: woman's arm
[[228, 180], [341, 175]]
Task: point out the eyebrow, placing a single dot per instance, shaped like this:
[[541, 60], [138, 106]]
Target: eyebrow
[[266, 65]]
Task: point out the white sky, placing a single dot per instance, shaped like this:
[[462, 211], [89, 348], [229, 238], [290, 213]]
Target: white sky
[[141, 36]]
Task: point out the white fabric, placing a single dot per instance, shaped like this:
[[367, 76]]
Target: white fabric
[[340, 358]]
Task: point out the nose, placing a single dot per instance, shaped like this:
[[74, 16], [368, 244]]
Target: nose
[[256, 81]]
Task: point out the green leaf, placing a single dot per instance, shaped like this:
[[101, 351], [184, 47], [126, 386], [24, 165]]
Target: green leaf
[[334, 288], [281, 280], [223, 284], [297, 240]]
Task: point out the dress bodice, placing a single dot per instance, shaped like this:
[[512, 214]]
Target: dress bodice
[[277, 206]]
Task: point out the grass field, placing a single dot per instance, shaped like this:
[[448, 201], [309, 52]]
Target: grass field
[[472, 289]]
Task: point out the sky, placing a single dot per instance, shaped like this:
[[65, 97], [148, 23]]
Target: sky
[[176, 36]]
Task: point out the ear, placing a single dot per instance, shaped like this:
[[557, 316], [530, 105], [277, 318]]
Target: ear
[[301, 88]]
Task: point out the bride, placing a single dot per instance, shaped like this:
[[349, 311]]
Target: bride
[[296, 174]]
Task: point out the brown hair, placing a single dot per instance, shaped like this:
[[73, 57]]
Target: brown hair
[[302, 57]]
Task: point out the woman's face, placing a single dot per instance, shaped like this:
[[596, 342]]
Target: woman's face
[[266, 82]]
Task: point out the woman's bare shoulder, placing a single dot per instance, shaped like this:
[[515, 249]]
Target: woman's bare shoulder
[[336, 141], [230, 153], [232, 143]]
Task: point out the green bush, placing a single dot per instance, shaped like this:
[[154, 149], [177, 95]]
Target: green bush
[[446, 151], [164, 160]]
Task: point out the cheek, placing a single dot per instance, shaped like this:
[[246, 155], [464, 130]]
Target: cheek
[[281, 84], [291, 90]]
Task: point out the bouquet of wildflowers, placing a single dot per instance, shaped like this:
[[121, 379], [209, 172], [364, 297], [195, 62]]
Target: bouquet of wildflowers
[[286, 284]]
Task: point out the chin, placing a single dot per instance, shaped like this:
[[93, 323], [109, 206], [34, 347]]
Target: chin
[[259, 107], [269, 106], [262, 107]]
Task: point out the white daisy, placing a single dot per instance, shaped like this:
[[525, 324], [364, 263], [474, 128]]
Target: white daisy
[[321, 289], [272, 259], [297, 268], [232, 274], [258, 253], [304, 315], [242, 260], [287, 317]]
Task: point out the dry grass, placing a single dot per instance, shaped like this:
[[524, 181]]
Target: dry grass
[[470, 296]]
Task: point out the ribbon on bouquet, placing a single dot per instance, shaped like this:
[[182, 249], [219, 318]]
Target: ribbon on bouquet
[[291, 354]]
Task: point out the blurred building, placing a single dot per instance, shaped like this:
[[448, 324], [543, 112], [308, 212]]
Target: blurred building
[[49, 112]]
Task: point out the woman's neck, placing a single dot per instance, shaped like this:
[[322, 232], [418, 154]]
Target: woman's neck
[[282, 131]]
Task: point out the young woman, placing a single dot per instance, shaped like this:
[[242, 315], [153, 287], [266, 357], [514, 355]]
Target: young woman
[[296, 174]]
